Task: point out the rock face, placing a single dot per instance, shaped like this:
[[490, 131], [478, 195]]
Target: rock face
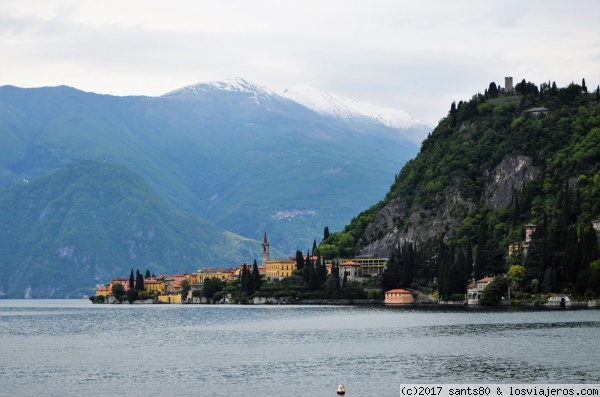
[[512, 173], [395, 222]]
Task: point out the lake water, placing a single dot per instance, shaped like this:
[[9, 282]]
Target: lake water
[[74, 348]]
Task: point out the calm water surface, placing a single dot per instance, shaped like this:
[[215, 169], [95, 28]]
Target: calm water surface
[[74, 348]]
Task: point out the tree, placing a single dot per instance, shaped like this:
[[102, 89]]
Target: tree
[[185, 289], [598, 93], [131, 280], [299, 260], [147, 275], [493, 292], [326, 233], [211, 286], [117, 290], [139, 281], [517, 273], [583, 87], [256, 279], [481, 257]]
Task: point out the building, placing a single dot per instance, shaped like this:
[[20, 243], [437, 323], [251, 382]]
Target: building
[[123, 281], [475, 290], [372, 266], [518, 247], [536, 111], [156, 287], [103, 290], [170, 298], [280, 268], [596, 225], [508, 86], [221, 273], [398, 297], [350, 270]]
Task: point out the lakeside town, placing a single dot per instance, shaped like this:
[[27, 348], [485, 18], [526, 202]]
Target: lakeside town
[[286, 281]]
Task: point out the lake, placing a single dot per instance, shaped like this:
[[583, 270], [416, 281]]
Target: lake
[[74, 348]]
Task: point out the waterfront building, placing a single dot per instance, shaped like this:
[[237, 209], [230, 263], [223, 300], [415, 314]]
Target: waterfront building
[[398, 297], [475, 290], [124, 282], [103, 290]]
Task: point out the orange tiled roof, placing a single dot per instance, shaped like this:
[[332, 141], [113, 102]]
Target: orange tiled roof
[[397, 291]]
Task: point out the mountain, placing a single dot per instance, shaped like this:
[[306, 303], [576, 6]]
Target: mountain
[[359, 113], [234, 153], [63, 233], [493, 167]]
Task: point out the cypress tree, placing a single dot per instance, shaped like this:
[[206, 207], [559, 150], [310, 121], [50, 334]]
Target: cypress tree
[[131, 280], [139, 281], [147, 274], [299, 260], [326, 233], [479, 268], [256, 280]]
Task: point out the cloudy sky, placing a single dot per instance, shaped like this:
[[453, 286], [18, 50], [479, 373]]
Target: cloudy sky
[[417, 55]]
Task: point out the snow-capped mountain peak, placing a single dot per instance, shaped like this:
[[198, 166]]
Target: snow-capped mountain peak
[[349, 109], [237, 85]]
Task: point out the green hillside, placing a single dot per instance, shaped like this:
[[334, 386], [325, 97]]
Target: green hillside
[[62, 234], [489, 168]]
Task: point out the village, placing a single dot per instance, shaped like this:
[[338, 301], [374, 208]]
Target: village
[[364, 273]]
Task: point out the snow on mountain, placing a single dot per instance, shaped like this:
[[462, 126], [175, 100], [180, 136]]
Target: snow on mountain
[[348, 110], [237, 85], [351, 110]]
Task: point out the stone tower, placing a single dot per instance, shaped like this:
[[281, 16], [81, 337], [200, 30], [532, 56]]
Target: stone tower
[[265, 250], [508, 85]]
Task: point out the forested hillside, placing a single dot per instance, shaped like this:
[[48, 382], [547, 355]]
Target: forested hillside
[[495, 164], [62, 234]]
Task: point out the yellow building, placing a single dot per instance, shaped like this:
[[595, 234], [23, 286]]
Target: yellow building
[[154, 286], [103, 290], [220, 273], [169, 298], [280, 268]]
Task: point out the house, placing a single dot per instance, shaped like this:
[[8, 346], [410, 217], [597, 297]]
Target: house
[[220, 273], [154, 286], [536, 112], [350, 270], [475, 290], [279, 268], [123, 281], [398, 297], [103, 290], [370, 265]]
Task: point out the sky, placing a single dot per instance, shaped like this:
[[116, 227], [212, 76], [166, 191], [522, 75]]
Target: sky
[[417, 56]]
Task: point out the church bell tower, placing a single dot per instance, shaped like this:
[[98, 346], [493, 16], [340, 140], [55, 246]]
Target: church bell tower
[[265, 250]]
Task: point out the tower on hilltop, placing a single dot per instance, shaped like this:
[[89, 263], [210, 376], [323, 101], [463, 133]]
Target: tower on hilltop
[[265, 250], [508, 86]]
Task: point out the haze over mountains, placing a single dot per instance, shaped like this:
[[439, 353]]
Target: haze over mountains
[[233, 154]]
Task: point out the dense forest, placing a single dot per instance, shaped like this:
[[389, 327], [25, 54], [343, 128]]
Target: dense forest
[[557, 131]]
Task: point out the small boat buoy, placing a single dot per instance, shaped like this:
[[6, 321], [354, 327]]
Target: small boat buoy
[[341, 391]]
